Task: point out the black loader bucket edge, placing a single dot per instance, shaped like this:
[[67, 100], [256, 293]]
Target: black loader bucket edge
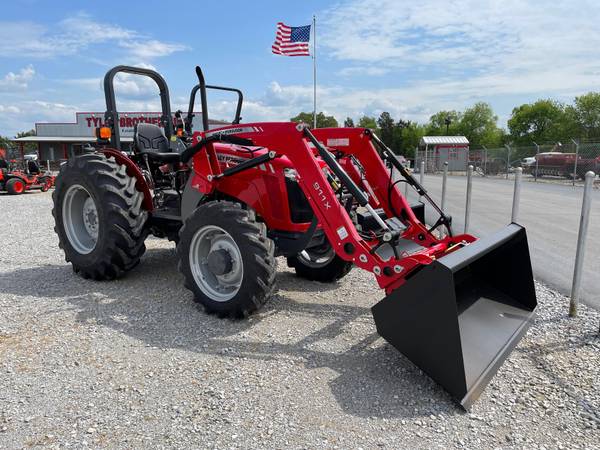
[[460, 317]]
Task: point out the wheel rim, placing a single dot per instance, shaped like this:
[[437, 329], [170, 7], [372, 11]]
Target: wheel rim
[[19, 187], [216, 263], [317, 257], [80, 219]]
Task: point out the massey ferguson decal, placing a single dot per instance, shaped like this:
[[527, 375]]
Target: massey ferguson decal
[[234, 131], [227, 158]]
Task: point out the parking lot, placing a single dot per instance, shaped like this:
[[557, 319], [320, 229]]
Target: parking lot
[[135, 363], [549, 211]]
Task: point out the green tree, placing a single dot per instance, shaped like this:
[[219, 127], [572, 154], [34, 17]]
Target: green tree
[[323, 121], [411, 135], [349, 123], [367, 122], [480, 126], [437, 123], [541, 122], [398, 136], [585, 115], [5, 142], [386, 126], [571, 126], [30, 147]]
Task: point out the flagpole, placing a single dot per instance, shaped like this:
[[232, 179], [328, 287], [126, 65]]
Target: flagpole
[[314, 27]]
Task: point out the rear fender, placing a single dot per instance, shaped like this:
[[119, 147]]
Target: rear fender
[[134, 171]]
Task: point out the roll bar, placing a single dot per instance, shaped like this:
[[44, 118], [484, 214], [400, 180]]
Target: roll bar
[[202, 87], [111, 117]]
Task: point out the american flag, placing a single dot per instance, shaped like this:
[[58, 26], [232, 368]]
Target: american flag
[[291, 41]]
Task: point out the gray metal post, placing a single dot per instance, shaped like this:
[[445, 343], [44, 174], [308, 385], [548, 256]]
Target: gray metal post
[[444, 179], [48, 164], [576, 158], [468, 205], [516, 195], [537, 152], [507, 159], [484, 160], [581, 238], [425, 156], [422, 174]]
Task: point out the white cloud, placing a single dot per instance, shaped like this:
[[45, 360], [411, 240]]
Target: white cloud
[[23, 117], [454, 32], [51, 111], [90, 31], [94, 84], [11, 109], [460, 51], [372, 71], [140, 87], [126, 85], [148, 49], [74, 35], [19, 80]]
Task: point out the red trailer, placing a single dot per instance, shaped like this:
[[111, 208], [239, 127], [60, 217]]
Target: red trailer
[[562, 165]]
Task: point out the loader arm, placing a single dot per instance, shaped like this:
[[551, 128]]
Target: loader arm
[[303, 149]]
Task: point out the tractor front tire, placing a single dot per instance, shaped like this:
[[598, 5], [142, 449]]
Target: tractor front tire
[[15, 186], [99, 218], [319, 264], [226, 259]]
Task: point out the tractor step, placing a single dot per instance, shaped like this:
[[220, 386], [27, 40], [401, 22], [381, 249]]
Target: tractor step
[[166, 214]]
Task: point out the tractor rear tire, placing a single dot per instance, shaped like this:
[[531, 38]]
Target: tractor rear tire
[[99, 218], [227, 260], [15, 186], [320, 264]]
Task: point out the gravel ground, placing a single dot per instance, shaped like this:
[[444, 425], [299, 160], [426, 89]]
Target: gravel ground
[[135, 364]]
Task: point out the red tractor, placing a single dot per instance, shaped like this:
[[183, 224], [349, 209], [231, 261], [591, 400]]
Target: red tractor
[[236, 197], [16, 182]]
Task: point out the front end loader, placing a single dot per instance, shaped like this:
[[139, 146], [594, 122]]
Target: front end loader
[[235, 197]]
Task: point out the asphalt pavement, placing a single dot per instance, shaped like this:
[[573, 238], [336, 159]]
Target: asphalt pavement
[[549, 211]]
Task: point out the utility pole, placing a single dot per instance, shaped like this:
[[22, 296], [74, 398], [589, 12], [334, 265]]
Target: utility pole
[[401, 126], [447, 121], [314, 27]]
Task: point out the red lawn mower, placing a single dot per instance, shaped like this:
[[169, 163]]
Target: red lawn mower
[[16, 181], [235, 197]]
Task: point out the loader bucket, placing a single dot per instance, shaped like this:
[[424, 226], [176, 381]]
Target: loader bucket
[[460, 317]]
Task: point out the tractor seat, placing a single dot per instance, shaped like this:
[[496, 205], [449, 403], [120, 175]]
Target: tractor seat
[[33, 168], [150, 140]]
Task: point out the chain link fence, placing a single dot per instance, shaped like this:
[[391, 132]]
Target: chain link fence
[[560, 161]]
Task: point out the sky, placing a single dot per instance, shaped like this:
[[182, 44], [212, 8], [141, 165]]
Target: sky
[[411, 59]]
